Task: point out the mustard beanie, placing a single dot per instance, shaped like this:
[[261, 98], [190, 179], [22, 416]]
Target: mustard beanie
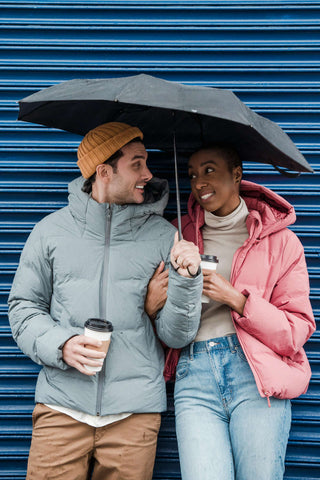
[[102, 142]]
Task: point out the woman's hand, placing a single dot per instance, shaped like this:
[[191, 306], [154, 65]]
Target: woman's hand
[[185, 257], [157, 291], [217, 288]]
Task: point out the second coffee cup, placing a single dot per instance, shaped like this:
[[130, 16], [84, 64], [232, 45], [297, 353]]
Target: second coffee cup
[[100, 330], [208, 262]]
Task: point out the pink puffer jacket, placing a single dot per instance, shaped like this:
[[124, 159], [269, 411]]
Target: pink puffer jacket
[[270, 270]]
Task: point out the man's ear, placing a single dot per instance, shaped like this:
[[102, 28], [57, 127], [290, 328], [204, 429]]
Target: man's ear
[[104, 172]]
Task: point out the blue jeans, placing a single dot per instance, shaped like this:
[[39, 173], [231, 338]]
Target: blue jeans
[[225, 429]]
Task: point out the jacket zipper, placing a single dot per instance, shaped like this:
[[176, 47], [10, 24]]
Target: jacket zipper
[[232, 280], [242, 251], [265, 393], [103, 301]]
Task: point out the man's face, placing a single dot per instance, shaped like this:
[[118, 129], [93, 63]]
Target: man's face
[[128, 182]]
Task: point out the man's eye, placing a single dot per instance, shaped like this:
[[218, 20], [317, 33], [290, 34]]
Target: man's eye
[[137, 165], [209, 170], [192, 176]]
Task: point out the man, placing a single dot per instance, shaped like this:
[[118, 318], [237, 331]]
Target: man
[[94, 258]]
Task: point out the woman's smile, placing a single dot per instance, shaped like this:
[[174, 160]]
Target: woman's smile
[[205, 196]]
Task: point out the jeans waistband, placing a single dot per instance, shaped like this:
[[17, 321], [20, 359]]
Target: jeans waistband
[[229, 342]]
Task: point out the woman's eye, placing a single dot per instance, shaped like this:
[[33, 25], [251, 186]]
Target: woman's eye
[[209, 170], [192, 176]]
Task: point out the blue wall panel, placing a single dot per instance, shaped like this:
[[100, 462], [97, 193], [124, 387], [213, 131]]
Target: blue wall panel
[[267, 52]]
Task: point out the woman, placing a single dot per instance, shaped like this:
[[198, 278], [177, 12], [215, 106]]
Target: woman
[[249, 346]]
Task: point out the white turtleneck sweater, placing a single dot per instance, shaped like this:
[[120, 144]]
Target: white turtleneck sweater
[[222, 236]]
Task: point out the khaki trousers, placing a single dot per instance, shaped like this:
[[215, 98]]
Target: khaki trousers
[[63, 448]]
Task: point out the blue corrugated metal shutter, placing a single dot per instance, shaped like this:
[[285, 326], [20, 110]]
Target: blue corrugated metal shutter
[[265, 51]]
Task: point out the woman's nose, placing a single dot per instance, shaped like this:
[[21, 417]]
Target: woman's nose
[[200, 183]]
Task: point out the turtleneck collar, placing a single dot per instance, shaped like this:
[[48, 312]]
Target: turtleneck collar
[[228, 222]]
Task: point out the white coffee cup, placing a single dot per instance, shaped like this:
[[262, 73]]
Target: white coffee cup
[[208, 262], [101, 330]]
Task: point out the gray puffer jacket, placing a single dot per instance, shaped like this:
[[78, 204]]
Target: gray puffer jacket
[[95, 260]]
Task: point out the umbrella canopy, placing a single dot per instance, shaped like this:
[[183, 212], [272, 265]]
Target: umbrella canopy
[[158, 107]]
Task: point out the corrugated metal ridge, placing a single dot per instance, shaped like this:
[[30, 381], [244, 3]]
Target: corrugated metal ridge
[[170, 44], [114, 47], [220, 28], [303, 4], [131, 68], [154, 49], [268, 12], [152, 61], [162, 24]]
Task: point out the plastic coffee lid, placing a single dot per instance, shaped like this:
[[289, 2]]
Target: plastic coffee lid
[[209, 258], [99, 325]]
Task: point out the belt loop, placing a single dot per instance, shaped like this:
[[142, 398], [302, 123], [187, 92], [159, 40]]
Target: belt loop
[[231, 344], [191, 351]]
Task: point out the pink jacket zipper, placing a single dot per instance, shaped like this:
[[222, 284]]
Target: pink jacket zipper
[[232, 281]]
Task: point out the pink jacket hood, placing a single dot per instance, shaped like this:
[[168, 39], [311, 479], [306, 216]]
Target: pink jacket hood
[[273, 213]]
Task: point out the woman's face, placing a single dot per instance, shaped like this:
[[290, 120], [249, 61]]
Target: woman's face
[[212, 184]]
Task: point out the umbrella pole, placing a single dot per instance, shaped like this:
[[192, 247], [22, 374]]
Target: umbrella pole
[[177, 186]]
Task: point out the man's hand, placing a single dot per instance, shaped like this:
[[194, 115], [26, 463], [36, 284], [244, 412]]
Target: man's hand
[[185, 255], [157, 291], [216, 287], [76, 354]]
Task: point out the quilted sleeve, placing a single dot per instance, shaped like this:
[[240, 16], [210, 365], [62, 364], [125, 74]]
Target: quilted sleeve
[[285, 322], [178, 321], [34, 330]]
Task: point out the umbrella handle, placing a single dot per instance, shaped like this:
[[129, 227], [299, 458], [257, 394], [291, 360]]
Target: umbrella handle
[[177, 186]]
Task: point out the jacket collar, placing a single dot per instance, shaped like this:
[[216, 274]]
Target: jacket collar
[[91, 216]]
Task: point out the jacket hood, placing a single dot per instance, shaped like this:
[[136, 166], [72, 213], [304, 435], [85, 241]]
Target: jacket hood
[[271, 211], [91, 214]]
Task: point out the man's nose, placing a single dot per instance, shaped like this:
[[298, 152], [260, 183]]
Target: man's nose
[[147, 175]]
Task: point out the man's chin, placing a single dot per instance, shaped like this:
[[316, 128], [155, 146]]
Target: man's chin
[[139, 197]]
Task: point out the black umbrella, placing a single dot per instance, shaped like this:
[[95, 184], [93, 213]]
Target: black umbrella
[[161, 109]]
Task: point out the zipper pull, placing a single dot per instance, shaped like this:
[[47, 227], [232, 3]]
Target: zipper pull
[[267, 394]]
